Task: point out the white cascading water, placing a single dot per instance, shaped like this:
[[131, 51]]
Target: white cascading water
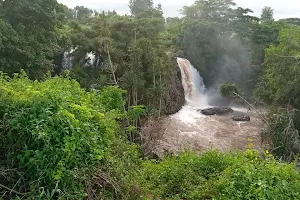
[[91, 58], [68, 59], [193, 84], [190, 129]]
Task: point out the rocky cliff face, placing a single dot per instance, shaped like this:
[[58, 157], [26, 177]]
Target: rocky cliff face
[[175, 99]]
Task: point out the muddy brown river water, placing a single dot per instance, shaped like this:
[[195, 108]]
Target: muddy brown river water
[[189, 129]]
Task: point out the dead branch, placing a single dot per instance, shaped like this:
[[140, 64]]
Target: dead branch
[[108, 180], [293, 57], [167, 126], [12, 191], [111, 66]]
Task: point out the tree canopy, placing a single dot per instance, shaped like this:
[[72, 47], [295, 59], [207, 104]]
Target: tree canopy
[[138, 6], [267, 14], [29, 40]]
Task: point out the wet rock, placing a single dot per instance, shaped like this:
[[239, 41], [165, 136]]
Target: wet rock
[[175, 99], [241, 118], [216, 111]]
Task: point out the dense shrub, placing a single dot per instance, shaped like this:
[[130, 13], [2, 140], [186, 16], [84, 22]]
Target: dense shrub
[[283, 132], [217, 175], [53, 132], [229, 90]]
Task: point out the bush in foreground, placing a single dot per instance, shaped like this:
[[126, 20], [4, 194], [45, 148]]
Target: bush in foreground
[[52, 133], [216, 175]]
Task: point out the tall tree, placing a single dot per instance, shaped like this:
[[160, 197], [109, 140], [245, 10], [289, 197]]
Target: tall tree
[[138, 6], [210, 10], [30, 38], [267, 14], [82, 13]]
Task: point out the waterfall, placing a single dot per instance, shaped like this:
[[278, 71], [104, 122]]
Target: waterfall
[[68, 59], [192, 83], [91, 58]]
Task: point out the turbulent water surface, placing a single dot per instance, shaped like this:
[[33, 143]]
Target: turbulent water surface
[[190, 129]]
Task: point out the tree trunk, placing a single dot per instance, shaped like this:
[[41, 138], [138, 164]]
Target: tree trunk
[[160, 96], [129, 99], [154, 84], [160, 105], [136, 98], [111, 66]]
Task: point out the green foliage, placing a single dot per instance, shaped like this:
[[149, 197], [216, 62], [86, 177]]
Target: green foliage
[[138, 6], [173, 32], [200, 47], [264, 35], [112, 98], [116, 177], [279, 88], [138, 56], [216, 175], [267, 14], [89, 77], [28, 37], [293, 21], [229, 90], [53, 132], [135, 112], [283, 131], [178, 176], [82, 13], [280, 83], [212, 10], [252, 177]]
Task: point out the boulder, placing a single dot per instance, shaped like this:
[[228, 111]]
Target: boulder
[[216, 111], [241, 118]]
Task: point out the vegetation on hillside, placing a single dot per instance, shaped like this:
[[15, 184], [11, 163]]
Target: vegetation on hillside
[[279, 87], [70, 130], [54, 132], [216, 175]]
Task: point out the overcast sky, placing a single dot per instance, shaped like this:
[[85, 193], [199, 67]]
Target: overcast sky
[[282, 8]]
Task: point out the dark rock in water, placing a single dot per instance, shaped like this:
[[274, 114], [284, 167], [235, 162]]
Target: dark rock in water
[[216, 111], [175, 99], [241, 118]]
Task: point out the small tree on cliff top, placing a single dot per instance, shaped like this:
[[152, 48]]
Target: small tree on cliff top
[[137, 6]]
